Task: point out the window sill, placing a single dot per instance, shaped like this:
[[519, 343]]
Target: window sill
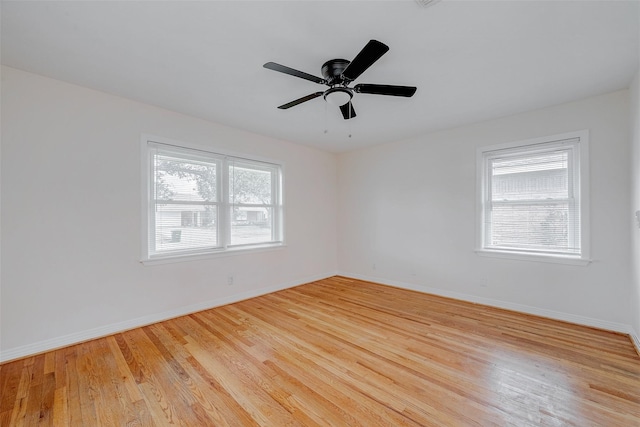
[[168, 259], [524, 256]]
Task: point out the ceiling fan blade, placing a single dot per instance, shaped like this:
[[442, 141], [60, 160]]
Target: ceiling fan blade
[[300, 100], [407, 91], [287, 70], [347, 111], [367, 56]]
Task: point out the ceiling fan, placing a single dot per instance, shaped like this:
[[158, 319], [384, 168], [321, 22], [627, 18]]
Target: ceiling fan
[[339, 73]]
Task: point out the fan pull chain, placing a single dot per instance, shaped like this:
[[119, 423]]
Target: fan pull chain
[[350, 110], [326, 127]]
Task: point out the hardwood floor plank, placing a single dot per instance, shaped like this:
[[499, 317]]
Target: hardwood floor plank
[[71, 379], [86, 392], [60, 408], [10, 379], [335, 352], [122, 369], [114, 388]]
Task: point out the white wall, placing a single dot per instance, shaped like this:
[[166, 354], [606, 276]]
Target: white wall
[[407, 217], [405, 214], [635, 204], [71, 216]]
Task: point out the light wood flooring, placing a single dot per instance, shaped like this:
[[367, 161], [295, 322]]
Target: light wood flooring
[[337, 352]]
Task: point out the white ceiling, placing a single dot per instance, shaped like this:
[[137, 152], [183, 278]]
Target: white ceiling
[[471, 61]]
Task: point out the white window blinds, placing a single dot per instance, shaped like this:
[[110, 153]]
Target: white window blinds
[[531, 198]]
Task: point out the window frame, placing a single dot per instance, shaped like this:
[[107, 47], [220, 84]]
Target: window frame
[[579, 170], [149, 255]]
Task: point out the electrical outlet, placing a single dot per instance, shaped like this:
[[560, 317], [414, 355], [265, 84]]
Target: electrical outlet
[[229, 280]]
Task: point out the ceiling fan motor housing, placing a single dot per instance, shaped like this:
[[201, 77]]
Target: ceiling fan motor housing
[[332, 71]]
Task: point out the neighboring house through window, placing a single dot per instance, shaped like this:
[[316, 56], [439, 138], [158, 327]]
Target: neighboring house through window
[[533, 199], [198, 202]]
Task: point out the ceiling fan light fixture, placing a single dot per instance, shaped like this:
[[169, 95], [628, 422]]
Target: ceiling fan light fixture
[[338, 96]]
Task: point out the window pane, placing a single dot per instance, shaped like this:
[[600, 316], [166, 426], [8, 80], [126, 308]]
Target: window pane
[[251, 225], [533, 177], [531, 227], [184, 180], [184, 227], [249, 186]]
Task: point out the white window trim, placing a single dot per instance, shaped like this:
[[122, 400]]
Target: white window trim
[[147, 179], [481, 173]]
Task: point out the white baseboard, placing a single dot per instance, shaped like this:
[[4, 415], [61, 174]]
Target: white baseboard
[[536, 311], [114, 328], [635, 338], [103, 331]]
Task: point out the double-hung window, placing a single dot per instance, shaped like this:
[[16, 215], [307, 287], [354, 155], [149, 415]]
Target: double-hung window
[[533, 199], [198, 202]]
